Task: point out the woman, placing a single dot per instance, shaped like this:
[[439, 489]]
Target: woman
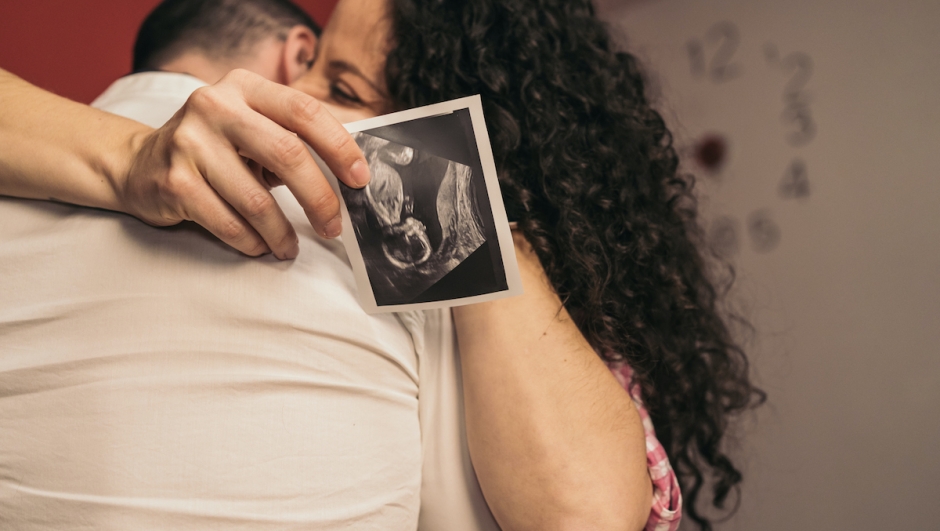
[[588, 170]]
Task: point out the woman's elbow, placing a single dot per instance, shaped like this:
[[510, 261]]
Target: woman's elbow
[[625, 507]]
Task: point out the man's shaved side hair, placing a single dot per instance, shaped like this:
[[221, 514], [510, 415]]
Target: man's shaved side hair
[[220, 29]]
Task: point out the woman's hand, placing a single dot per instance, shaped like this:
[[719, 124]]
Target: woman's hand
[[216, 159], [212, 163]]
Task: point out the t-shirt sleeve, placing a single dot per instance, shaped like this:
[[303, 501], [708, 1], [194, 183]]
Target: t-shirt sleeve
[[666, 510]]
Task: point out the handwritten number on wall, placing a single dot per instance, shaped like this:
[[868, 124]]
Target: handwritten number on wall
[[764, 231], [802, 66], [696, 57], [796, 111], [795, 182], [729, 37], [713, 57], [725, 39], [723, 236]]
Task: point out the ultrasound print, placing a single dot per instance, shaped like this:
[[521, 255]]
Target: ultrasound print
[[416, 221]]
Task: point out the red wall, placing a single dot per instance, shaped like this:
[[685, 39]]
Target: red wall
[[76, 48]]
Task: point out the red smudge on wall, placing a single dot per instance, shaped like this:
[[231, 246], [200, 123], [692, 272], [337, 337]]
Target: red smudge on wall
[[77, 48], [711, 152]]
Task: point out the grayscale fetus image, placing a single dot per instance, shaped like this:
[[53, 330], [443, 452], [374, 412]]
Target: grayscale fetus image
[[416, 221]]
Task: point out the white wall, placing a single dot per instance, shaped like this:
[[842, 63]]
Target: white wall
[[847, 303]]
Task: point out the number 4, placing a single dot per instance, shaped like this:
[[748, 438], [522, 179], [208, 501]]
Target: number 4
[[795, 182]]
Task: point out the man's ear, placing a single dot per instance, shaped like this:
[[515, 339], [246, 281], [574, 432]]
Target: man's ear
[[297, 54]]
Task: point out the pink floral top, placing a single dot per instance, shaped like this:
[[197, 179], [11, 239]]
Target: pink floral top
[[666, 511]]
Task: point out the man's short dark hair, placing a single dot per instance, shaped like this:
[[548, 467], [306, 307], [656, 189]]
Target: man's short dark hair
[[219, 29]]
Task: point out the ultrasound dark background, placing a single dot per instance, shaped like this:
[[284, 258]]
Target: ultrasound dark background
[[449, 136]]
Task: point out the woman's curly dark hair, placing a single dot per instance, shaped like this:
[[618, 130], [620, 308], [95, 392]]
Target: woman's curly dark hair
[[588, 169]]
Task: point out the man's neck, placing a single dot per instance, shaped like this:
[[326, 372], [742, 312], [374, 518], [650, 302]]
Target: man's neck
[[263, 59], [198, 66]]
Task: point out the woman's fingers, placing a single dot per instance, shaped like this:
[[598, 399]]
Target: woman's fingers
[[306, 116], [233, 180], [205, 207], [169, 182], [216, 159], [284, 154], [259, 117]]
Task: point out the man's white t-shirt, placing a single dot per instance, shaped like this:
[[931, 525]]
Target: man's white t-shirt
[[156, 379]]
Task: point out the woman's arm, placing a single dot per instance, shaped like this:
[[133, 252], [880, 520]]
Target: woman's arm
[[212, 163], [53, 148], [555, 441]]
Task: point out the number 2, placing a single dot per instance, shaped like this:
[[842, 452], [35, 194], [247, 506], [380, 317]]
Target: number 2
[[720, 69]]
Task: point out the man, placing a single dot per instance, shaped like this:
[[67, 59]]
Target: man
[[156, 379], [198, 42], [201, 389]]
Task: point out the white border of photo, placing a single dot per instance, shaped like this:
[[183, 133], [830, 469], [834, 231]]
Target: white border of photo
[[503, 231]]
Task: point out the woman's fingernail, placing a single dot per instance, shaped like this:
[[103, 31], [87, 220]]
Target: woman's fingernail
[[292, 252], [359, 173], [334, 227]]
